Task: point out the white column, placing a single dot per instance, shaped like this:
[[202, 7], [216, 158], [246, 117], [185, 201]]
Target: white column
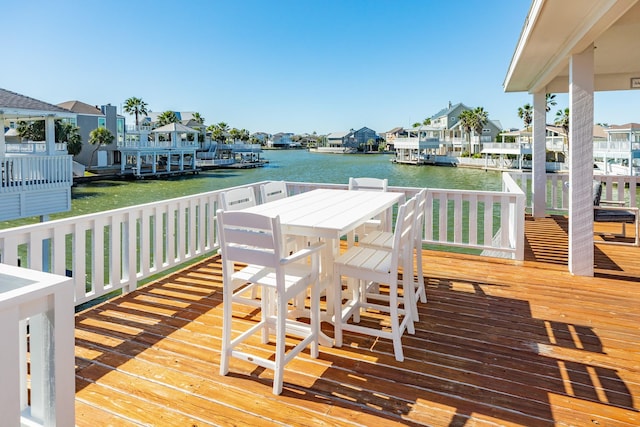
[[581, 163], [3, 147], [50, 135], [539, 156]]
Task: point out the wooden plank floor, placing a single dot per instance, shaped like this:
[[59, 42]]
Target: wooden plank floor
[[498, 343]]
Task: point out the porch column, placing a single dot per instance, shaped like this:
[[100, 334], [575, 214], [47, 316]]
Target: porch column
[[3, 147], [539, 156], [50, 135], [581, 69]]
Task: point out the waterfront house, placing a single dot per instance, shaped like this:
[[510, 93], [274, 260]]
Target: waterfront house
[[443, 137], [350, 141], [165, 150], [391, 135], [88, 118], [619, 152], [280, 140], [36, 175]]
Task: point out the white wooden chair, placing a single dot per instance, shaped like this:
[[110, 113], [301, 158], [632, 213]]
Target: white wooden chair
[[237, 198], [379, 223], [384, 239], [273, 190], [256, 240], [378, 265]]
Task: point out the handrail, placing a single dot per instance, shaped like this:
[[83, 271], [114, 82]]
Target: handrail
[[113, 250], [616, 188]]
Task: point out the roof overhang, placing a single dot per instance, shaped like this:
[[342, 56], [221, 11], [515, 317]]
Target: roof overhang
[[27, 114], [555, 30]]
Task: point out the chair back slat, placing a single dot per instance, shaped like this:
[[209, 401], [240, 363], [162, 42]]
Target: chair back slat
[[238, 198], [368, 184], [250, 238], [403, 234], [273, 190]]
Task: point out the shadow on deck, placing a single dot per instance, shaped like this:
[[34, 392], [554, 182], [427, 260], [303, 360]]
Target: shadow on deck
[[498, 343]]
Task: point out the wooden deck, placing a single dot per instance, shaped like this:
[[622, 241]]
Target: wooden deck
[[498, 343]]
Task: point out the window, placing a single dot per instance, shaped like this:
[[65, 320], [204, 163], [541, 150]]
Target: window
[[120, 125], [102, 122]]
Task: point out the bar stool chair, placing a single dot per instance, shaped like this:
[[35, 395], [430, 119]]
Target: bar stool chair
[[384, 239], [378, 265], [367, 184], [256, 240]]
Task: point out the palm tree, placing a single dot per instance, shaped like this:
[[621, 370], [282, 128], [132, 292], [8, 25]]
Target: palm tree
[[198, 118], [99, 137], [166, 118], [135, 106], [219, 131], [426, 121], [467, 119], [526, 114], [562, 120], [67, 132], [417, 124], [480, 119], [550, 99]]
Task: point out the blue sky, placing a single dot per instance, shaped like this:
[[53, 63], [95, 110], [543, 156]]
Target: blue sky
[[278, 66]]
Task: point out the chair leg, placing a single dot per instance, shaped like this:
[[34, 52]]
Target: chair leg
[[280, 345], [420, 272], [395, 327], [226, 333], [314, 319], [337, 309]]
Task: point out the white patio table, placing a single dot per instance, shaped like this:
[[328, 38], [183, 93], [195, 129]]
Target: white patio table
[[328, 214]]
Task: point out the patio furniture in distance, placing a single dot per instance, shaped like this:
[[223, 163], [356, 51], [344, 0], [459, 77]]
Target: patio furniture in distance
[[374, 266], [604, 211], [256, 240]]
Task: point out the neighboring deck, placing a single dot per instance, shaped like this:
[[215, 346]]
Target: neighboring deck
[[498, 343]]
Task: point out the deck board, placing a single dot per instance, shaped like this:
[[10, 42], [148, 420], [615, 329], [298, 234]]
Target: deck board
[[498, 343]]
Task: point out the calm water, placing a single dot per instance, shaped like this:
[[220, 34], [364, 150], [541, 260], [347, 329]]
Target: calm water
[[291, 165]]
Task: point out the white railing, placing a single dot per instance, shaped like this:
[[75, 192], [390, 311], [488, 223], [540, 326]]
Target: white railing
[[490, 221], [113, 250], [36, 362], [146, 145], [32, 147], [616, 188], [20, 173]]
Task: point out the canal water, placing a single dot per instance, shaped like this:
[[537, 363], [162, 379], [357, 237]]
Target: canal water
[[289, 165]]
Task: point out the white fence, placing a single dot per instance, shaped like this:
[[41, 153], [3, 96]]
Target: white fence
[[35, 173], [616, 188], [33, 147]]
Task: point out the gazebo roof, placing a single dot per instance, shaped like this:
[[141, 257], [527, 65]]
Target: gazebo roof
[[555, 30], [15, 105], [174, 127]]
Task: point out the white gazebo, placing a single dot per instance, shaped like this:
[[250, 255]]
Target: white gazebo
[[575, 47], [35, 176]]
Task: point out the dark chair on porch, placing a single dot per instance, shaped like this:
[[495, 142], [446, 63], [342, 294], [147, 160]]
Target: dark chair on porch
[[605, 211]]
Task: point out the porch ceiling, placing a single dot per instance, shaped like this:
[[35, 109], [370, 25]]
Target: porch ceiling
[[555, 30]]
